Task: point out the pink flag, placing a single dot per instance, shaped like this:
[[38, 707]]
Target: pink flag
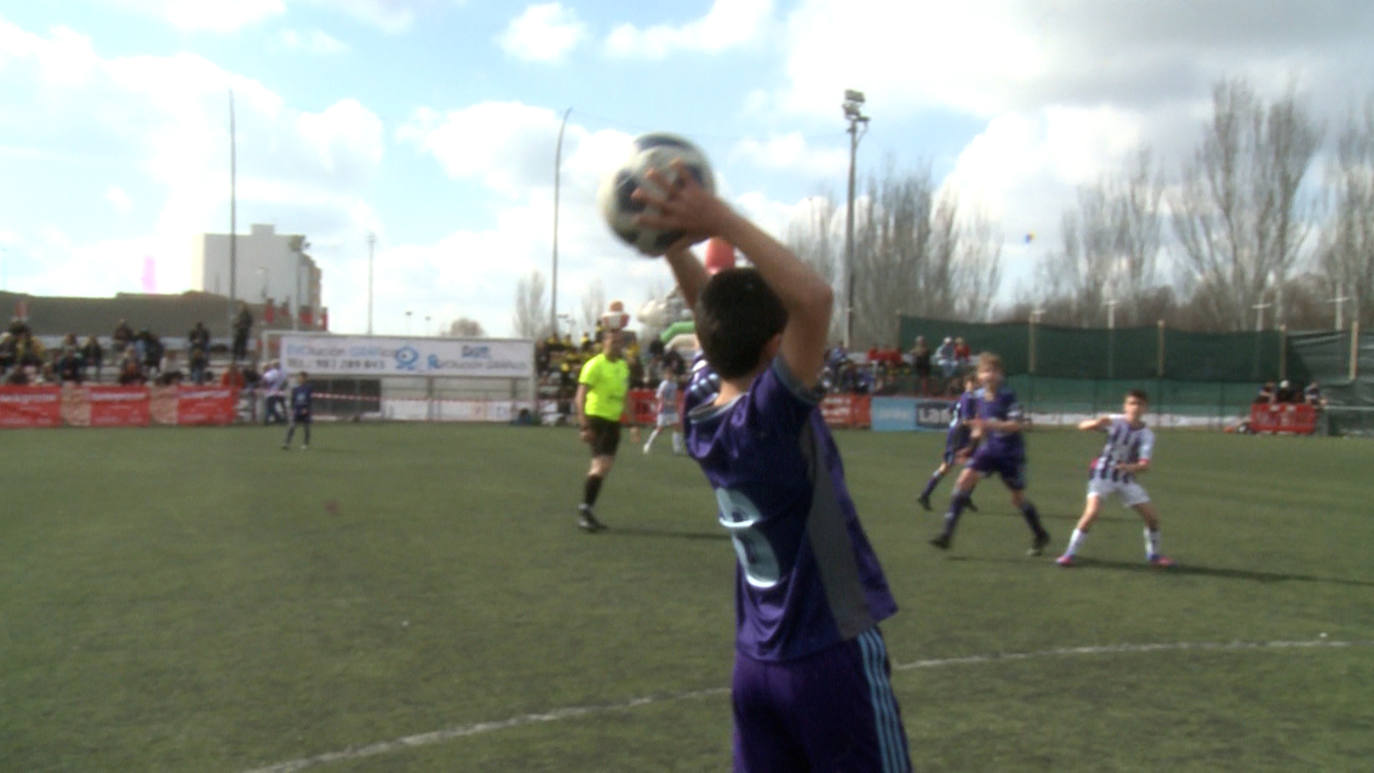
[[149, 274]]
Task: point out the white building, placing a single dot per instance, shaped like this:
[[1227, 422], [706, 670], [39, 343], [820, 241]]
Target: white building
[[268, 265]]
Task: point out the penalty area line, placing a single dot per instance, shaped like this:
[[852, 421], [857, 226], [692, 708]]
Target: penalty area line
[[571, 712]]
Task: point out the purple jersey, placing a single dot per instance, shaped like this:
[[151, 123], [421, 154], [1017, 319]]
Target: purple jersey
[[958, 436], [807, 577], [1002, 407]]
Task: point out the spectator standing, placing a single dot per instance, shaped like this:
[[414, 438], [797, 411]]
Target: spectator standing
[[7, 354], [199, 361], [946, 360], [963, 356], [274, 382], [92, 355], [920, 362], [1312, 395], [243, 327], [1265, 395], [121, 338], [199, 336]]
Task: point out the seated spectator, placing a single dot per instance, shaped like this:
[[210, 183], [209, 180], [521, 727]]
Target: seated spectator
[[1287, 393], [69, 367], [962, 355], [28, 350], [152, 350], [131, 369], [200, 360], [18, 376], [7, 357], [947, 359], [233, 377], [1265, 395], [92, 356], [1312, 395]]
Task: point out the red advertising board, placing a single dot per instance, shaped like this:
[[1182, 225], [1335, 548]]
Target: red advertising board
[[27, 406], [842, 410], [1294, 418], [118, 406], [206, 405]]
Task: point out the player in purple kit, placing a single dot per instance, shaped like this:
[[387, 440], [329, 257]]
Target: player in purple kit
[[300, 411], [997, 423], [811, 687], [1130, 445], [958, 445]]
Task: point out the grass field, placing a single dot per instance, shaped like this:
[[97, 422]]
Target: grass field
[[199, 600]]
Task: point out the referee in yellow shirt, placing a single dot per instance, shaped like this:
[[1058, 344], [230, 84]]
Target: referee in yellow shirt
[[600, 401]]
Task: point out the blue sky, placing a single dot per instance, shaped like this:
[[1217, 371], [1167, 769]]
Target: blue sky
[[432, 123]]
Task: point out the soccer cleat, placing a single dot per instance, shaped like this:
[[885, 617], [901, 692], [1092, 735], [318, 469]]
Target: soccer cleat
[[1066, 560], [924, 501], [286, 446], [941, 542], [1161, 561], [1038, 544], [972, 508], [586, 521], [305, 447]]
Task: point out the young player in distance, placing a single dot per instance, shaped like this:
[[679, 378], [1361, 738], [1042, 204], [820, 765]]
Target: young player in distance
[[811, 686], [665, 404], [301, 399], [957, 444], [600, 401], [1130, 444], [996, 422]]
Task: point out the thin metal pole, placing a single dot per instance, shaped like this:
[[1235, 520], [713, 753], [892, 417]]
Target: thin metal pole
[[557, 169], [371, 243], [233, 213], [849, 239]]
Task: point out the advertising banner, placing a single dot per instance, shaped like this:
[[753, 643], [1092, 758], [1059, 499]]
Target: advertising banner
[[118, 406], [1295, 418], [841, 410], [374, 356], [26, 406], [893, 414], [934, 414], [206, 405]]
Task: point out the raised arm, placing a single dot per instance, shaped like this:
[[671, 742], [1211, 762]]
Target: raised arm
[[1092, 424], [687, 270], [807, 297]]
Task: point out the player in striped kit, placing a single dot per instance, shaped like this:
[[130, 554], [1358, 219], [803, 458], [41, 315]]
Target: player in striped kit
[[1130, 444]]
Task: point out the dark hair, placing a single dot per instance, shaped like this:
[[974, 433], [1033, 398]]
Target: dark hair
[[736, 316], [1138, 394]]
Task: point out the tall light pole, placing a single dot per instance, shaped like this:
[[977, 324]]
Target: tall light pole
[[557, 168], [853, 102], [233, 212], [371, 243]]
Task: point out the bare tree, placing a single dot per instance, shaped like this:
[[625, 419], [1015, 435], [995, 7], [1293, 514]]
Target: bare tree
[[1237, 214], [1111, 243], [466, 328], [593, 306], [531, 310], [1346, 251]]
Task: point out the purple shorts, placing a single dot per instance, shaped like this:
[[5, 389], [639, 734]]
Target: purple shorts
[[833, 710], [1012, 469]]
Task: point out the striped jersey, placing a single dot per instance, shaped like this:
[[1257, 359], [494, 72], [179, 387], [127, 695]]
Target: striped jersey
[[806, 577], [963, 408], [1125, 445]]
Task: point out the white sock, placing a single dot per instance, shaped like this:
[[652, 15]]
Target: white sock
[[677, 442], [1151, 542], [652, 436], [1075, 542]]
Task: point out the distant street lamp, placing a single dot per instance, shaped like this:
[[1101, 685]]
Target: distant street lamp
[[853, 102]]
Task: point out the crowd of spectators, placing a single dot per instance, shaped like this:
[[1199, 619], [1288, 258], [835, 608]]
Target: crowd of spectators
[[137, 357], [1286, 393]]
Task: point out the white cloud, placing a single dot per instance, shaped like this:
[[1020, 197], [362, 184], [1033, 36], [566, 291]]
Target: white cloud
[[390, 16], [208, 15], [791, 152], [119, 199], [728, 24], [543, 33], [312, 42]]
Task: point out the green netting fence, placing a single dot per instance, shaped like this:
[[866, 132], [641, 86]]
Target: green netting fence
[[1208, 375]]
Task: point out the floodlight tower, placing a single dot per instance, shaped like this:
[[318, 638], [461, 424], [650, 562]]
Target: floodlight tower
[[853, 104]]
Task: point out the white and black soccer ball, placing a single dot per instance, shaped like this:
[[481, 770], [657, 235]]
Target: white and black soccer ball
[[650, 151]]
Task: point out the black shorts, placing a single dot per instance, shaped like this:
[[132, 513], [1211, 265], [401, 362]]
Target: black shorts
[[605, 435]]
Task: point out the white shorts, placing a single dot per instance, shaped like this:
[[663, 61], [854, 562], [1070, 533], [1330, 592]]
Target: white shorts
[[1131, 494], [667, 419]]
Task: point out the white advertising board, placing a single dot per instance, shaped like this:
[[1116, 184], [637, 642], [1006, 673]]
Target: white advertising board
[[376, 356]]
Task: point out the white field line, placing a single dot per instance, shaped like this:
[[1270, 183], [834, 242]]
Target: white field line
[[570, 712]]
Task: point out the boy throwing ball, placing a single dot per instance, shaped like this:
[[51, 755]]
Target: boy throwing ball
[[811, 686]]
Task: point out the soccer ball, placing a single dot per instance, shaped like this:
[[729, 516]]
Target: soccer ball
[[615, 317], [650, 151]]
